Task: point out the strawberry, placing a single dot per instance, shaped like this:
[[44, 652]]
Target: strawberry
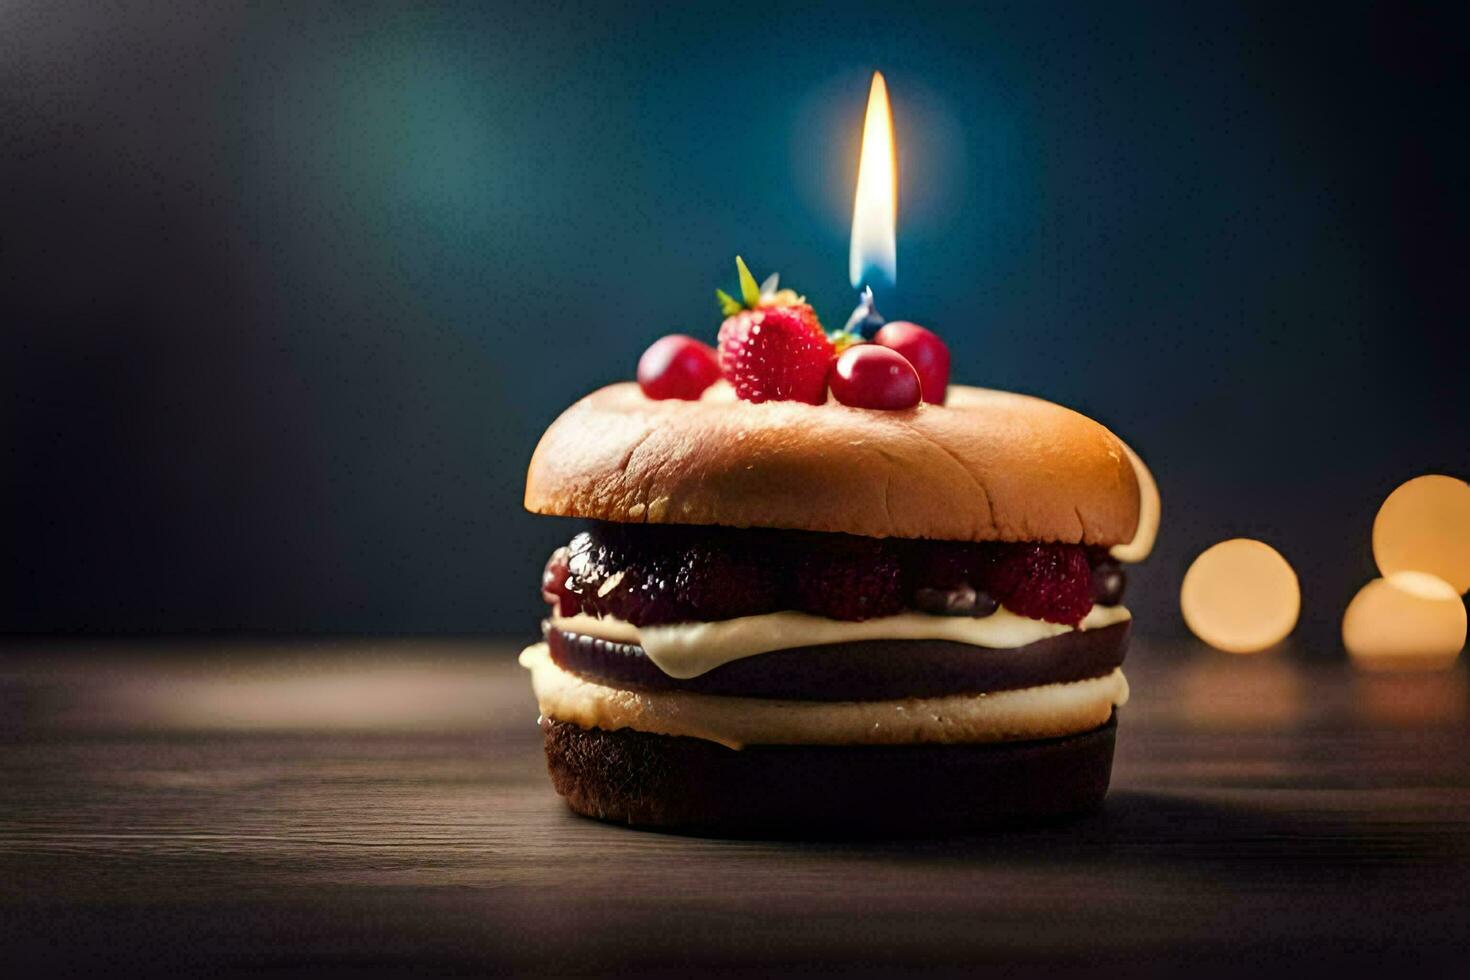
[[772, 346]]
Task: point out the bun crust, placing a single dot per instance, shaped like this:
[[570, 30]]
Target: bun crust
[[986, 466]]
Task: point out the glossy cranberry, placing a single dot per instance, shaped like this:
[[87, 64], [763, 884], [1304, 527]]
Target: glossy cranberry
[[924, 350], [870, 376], [554, 584], [677, 366]]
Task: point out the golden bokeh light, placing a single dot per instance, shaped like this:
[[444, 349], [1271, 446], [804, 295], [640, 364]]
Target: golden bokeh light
[[1424, 526], [1240, 596], [1404, 621], [1149, 509]]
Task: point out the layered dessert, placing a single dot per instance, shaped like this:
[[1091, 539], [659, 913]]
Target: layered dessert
[[820, 590]]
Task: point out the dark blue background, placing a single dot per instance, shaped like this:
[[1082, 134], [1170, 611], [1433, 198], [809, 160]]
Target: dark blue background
[[288, 294]]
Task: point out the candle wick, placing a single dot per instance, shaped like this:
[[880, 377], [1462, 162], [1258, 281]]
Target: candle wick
[[865, 319]]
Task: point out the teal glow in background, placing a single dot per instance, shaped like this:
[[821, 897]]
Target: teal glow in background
[[290, 292]]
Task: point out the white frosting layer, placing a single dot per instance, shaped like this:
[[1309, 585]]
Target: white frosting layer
[[1149, 510], [685, 650], [1046, 711]]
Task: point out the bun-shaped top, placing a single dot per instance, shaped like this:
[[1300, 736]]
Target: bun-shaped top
[[985, 466]]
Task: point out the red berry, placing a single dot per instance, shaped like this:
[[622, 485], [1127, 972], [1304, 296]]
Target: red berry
[[648, 575], [717, 581], [943, 565], [924, 350], [677, 366], [869, 376], [1043, 581], [776, 353], [554, 589], [850, 578]]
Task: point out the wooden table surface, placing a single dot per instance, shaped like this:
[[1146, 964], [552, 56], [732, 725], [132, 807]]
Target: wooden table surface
[[363, 807]]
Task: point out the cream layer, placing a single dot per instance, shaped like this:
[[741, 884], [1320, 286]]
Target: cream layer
[[685, 650], [1046, 711]]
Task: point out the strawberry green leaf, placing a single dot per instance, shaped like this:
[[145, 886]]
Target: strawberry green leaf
[[770, 284], [750, 290], [729, 305]]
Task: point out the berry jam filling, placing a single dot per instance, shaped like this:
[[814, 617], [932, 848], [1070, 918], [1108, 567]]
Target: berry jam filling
[[653, 574]]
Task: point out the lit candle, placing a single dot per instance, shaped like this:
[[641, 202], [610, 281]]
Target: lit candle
[[874, 251]]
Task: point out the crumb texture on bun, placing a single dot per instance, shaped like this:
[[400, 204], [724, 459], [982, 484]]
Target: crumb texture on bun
[[986, 466]]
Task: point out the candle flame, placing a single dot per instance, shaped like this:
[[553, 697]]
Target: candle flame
[[875, 209]]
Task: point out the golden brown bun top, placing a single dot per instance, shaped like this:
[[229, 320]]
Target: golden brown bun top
[[986, 466]]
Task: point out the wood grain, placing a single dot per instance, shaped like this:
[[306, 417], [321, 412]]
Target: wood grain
[[322, 808]]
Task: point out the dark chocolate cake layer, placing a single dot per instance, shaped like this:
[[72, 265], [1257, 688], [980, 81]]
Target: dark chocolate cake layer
[[866, 670], [694, 786]]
